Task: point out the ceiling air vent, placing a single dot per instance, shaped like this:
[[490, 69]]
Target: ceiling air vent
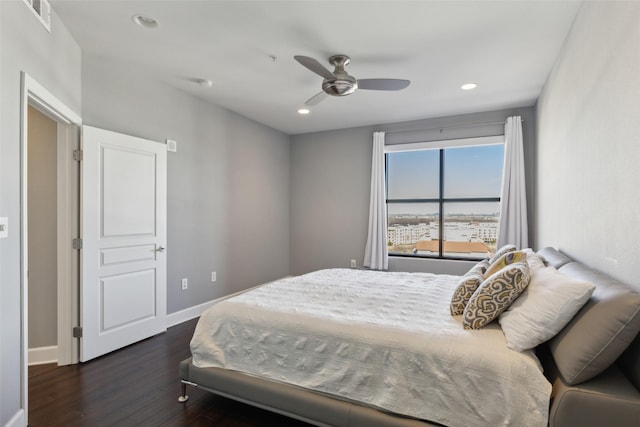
[[42, 10]]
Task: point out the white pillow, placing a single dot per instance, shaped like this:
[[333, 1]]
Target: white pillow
[[544, 308], [535, 261]]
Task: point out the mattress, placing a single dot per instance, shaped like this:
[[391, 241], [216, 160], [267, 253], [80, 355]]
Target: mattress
[[381, 339]]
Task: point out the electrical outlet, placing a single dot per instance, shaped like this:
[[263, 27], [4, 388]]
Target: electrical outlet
[[185, 283], [4, 227], [213, 276], [353, 263]]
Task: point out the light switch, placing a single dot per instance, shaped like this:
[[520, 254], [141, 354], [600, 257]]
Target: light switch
[[4, 227]]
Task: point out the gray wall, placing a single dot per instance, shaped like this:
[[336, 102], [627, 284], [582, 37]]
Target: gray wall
[[42, 220], [258, 209], [330, 185], [228, 199], [54, 61], [588, 145], [330, 180]]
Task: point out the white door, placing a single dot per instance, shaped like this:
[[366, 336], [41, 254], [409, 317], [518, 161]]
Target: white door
[[123, 229]]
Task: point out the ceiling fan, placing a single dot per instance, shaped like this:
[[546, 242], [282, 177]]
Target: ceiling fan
[[340, 83]]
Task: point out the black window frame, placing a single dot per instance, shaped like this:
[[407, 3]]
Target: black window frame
[[441, 200]]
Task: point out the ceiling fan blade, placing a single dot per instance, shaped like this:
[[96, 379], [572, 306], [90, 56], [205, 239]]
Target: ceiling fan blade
[[314, 66], [315, 99], [383, 84]]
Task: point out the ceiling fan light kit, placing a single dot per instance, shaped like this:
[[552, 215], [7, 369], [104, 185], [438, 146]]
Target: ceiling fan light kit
[[340, 83]]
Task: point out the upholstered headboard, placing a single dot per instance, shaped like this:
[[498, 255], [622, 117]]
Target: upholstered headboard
[[595, 360]]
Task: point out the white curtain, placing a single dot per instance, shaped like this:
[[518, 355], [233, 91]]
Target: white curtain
[[375, 253], [513, 197]]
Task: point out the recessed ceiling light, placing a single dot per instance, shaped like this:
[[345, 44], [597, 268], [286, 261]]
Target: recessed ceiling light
[[205, 82], [144, 21], [468, 86], [304, 111]]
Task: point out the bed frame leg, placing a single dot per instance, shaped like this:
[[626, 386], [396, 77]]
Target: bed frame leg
[[184, 397]]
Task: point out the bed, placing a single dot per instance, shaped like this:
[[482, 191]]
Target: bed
[[346, 347]]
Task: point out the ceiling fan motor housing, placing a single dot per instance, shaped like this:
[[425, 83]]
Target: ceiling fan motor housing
[[343, 84], [340, 87]]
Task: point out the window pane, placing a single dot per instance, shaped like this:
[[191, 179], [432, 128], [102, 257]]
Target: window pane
[[413, 174], [411, 228], [470, 229], [471, 172]]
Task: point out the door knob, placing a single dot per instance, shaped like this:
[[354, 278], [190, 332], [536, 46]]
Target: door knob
[[160, 249]]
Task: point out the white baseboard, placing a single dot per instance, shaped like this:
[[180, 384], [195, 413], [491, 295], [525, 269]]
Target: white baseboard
[[42, 355], [181, 316], [188, 313], [18, 420]]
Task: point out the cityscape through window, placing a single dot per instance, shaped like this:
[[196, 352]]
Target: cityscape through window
[[444, 202]]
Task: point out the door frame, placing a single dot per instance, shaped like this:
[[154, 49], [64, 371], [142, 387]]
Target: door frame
[[36, 95]]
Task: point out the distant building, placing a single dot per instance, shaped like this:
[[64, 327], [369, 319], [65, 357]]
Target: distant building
[[410, 234], [488, 231], [407, 234], [453, 249]]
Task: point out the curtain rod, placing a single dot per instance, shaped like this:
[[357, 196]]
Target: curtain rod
[[441, 128]]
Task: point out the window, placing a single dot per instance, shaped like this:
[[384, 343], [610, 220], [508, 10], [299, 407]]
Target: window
[[443, 198]]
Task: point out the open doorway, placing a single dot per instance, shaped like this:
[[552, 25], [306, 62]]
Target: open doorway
[[50, 223], [42, 171], [49, 194], [52, 193]]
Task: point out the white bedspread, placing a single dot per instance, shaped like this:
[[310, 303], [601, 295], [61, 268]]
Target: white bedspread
[[383, 339]]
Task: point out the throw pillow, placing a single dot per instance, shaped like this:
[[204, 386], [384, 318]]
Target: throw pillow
[[501, 251], [495, 295], [544, 308], [506, 259], [480, 267], [466, 287], [535, 261]]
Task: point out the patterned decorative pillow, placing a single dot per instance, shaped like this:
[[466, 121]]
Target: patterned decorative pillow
[[506, 259], [479, 268], [466, 287], [495, 295], [503, 250]]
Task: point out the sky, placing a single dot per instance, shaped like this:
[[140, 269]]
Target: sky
[[469, 172]]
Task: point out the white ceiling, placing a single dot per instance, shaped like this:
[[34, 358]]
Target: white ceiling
[[507, 47]]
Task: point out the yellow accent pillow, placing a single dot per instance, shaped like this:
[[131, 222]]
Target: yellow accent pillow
[[506, 259], [501, 251]]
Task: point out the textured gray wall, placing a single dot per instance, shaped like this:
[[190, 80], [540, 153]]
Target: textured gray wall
[[42, 219], [330, 185], [53, 59], [330, 180], [588, 150], [228, 182]]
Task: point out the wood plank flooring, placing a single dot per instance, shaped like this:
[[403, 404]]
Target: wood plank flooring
[[136, 386]]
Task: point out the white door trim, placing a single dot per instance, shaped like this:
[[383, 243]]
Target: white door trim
[[33, 93]]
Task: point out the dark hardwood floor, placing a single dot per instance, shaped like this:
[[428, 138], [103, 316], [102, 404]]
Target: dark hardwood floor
[[136, 386]]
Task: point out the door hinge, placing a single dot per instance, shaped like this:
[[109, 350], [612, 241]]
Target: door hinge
[[77, 332], [77, 244], [77, 155]]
